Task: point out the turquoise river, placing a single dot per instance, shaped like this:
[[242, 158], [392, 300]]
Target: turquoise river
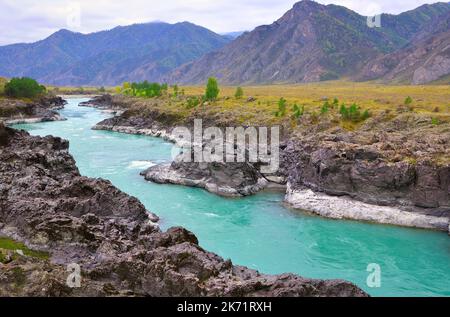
[[259, 231]]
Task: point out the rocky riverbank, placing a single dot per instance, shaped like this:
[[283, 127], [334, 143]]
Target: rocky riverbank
[[46, 204], [397, 170], [14, 111]]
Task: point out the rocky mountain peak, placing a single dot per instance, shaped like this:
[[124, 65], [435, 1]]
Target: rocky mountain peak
[[307, 5], [301, 10]]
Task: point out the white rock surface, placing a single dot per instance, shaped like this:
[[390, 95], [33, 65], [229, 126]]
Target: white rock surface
[[347, 208]]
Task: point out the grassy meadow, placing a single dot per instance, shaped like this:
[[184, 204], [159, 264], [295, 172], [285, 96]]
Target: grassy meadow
[[260, 104]]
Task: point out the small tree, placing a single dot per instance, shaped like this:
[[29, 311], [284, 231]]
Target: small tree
[[325, 108], [212, 89], [239, 93]]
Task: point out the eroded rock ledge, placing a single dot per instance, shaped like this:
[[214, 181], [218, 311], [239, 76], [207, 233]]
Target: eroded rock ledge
[[45, 203], [14, 111]]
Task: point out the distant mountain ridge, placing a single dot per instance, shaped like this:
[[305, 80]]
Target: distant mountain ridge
[[314, 42], [309, 43], [128, 53], [425, 59]]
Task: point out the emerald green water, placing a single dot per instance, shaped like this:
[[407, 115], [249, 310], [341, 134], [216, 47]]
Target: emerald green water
[[258, 232]]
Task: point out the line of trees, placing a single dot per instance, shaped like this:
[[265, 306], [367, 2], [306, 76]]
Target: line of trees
[[144, 89]]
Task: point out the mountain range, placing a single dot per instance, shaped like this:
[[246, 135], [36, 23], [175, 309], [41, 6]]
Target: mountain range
[[309, 43], [130, 53], [314, 42]]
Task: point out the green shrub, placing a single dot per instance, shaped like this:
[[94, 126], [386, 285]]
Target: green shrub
[[212, 89], [408, 101], [353, 113], [282, 107], [298, 112], [239, 93], [435, 121], [325, 108], [24, 88], [193, 102]]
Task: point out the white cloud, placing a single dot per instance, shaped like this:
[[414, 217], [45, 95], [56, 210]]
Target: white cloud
[[30, 20]]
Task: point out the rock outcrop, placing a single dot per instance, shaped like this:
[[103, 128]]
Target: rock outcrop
[[14, 111], [224, 179], [401, 164], [45, 203], [100, 102]]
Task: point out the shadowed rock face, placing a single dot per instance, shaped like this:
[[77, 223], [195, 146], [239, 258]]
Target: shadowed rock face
[[47, 204]]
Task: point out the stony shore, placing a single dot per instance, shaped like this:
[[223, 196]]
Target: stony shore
[[389, 169], [46, 204]]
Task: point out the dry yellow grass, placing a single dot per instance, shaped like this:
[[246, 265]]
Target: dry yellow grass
[[369, 96], [431, 100]]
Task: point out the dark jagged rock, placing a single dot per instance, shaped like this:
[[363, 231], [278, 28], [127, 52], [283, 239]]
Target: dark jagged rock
[[45, 203]]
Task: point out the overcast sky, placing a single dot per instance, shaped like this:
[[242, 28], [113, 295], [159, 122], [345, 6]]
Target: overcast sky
[[31, 20]]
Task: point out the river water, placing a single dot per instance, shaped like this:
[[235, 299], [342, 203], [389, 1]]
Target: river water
[[259, 231]]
